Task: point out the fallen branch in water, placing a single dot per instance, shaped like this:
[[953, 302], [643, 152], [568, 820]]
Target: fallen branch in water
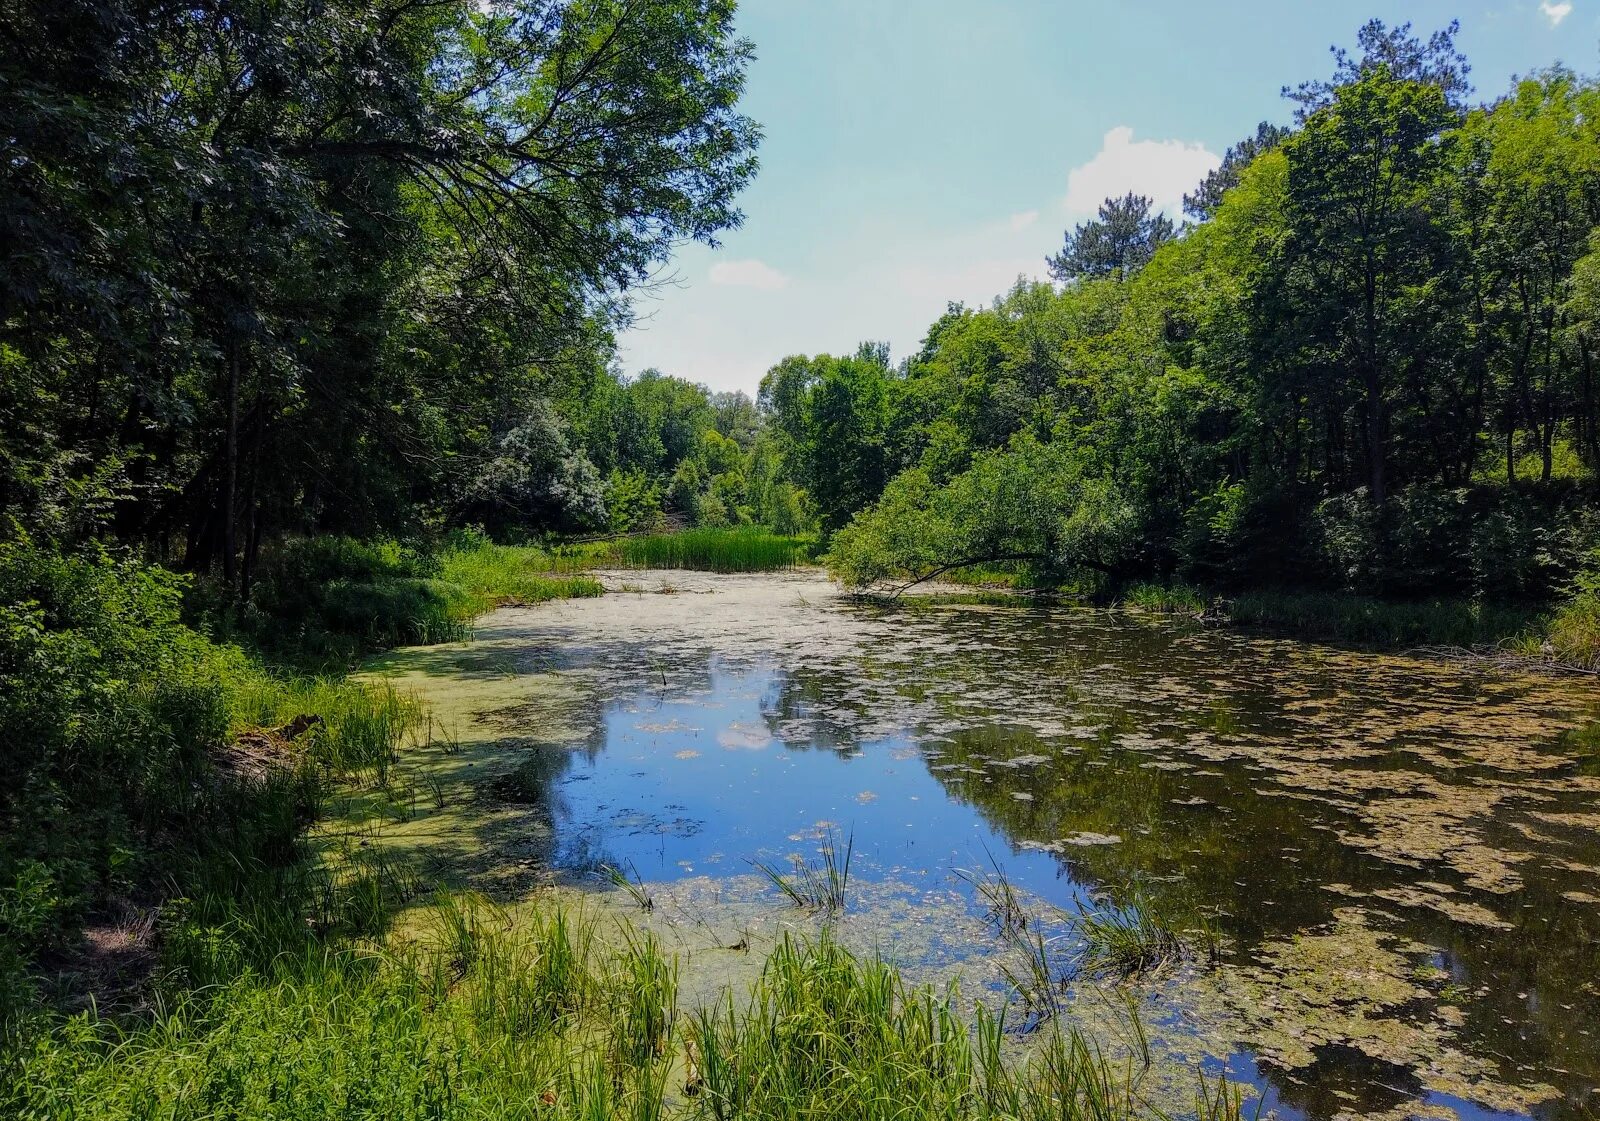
[[1498, 657], [969, 562]]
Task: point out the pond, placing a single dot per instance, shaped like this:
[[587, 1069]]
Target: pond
[[1401, 856]]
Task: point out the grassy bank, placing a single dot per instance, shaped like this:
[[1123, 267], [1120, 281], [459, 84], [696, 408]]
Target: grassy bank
[[488, 1016], [153, 763], [322, 602]]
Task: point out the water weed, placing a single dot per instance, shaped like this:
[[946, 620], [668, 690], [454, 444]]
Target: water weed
[[629, 882], [813, 885], [1004, 907]]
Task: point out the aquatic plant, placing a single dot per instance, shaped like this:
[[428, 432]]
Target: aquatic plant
[[1004, 907], [1572, 634], [1166, 599], [630, 882], [745, 549], [646, 994], [1038, 981], [811, 885], [1125, 940], [826, 1035]]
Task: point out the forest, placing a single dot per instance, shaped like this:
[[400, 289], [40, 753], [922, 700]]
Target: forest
[[308, 319]]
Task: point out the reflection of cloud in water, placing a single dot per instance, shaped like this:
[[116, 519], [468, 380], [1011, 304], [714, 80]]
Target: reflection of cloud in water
[[1211, 771], [744, 737]]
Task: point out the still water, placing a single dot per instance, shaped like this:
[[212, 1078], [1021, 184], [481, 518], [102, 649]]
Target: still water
[[1402, 855]]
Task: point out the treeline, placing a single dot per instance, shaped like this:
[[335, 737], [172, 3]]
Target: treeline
[[351, 267], [1366, 361]]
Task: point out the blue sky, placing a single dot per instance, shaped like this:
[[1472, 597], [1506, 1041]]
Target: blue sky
[[921, 151]]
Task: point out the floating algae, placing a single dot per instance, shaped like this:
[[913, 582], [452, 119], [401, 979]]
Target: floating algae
[[1399, 858]]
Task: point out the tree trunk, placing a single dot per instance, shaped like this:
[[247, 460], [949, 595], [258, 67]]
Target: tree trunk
[[230, 473]]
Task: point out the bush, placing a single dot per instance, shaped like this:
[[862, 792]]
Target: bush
[[109, 708], [1488, 541]]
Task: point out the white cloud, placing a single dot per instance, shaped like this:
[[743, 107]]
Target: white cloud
[[1165, 170], [747, 274], [1556, 12], [722, 325]]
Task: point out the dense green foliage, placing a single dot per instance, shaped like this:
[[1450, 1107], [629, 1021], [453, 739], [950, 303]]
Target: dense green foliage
[[322, 602], [277, 268], [1368, 365]]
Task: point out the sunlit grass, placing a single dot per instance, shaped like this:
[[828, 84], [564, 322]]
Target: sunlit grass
[[747, 549], [497, 575], [1166, 599]]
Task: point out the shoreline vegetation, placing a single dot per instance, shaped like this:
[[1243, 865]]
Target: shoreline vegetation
[[224, 963]]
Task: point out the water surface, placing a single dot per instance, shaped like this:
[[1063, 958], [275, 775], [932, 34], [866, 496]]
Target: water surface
[[1402, 853]]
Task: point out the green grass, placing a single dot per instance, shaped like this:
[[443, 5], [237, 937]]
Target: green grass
[[812, 885], [1166, 599], [1572, 634], [1127, 940], [492, 576], [322, 603], [826, 1035], [480, 1017], [747, 549]]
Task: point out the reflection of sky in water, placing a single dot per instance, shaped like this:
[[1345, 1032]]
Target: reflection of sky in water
[[1326, 809], [701, 786]]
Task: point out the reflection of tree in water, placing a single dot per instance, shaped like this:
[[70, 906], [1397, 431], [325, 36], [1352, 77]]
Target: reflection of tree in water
[[1345, 1081], [1261, 866], [809, 710]]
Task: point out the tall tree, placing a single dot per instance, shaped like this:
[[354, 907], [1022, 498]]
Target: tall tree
[[1117, 243], [1363, 246]]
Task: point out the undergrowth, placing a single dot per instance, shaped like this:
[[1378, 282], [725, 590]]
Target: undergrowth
[[320, 603]]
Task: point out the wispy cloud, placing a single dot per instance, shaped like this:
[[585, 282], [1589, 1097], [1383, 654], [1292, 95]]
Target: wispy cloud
[[1021, 221], [1165, 170], [1556, 12], [749, 273]]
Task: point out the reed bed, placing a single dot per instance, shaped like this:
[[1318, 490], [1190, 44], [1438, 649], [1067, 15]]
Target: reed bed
[[747, 549], [1166, 599]]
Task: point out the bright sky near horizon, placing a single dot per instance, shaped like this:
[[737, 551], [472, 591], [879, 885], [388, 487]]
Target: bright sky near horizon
[[921, 152]]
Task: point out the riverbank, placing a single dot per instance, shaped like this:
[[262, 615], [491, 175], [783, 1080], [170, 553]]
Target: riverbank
[[341, 972], [1562, 636], [576, 745]]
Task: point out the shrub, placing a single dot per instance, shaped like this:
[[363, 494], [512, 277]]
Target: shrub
[[108, 710]]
